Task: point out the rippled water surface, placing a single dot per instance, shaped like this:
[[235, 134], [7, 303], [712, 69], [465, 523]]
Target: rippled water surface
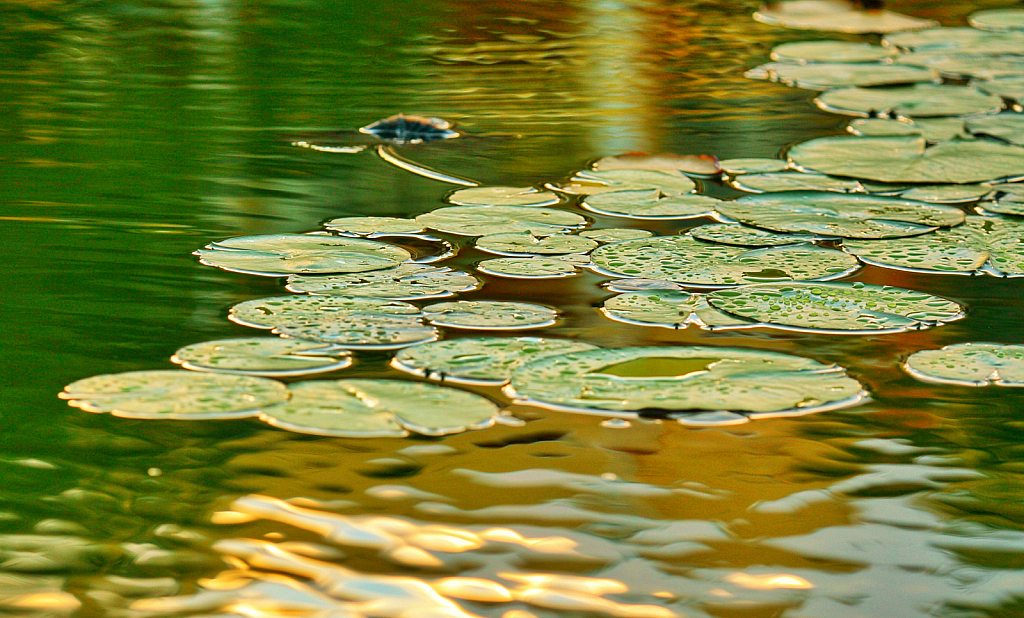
[[136, 132]]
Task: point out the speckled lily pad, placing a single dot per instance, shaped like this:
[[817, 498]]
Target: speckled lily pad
[[794, 181], [280, 310], [528, 267], [840, 308], [489, 315], [484, 220], [360, 331], [518, 244], [754, 165], [369, 226], [649, 204], [669, 309], [666, 182], [917, 101], [282, 254], [502, 196], [480, 360], [262, 356], [825, 76], [970, 364], [831, 51], [175, 394], [406, 282], [615, 234], [626, 381], [743, 236]]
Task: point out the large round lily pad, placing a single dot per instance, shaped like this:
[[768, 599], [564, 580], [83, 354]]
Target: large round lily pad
[[743, 236], [836, 214], [840, 308], [917, 101], [484, 220], [997, 19], [685, 260], [175, 394], [669, 309], [369, 226], [969, 364], [405, 282], [262, 356], [650, 204], [831, 51], [910, 159], [666, 182], [825, 76], [794, 181], [1008, 127], [489, 315], [528, 267], [502, 196], [518, 244], [683, 379], [958, 39], [480, 360], [282, 254], [836, 17], [281, 310]]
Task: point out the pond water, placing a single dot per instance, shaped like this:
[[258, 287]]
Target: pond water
[[137, 132]]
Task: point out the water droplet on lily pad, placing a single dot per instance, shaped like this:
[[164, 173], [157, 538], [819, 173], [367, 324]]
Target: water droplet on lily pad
[[997, 19], [836, 17], [665, 182], [262, 356], [626, 381], [484, 220], [175, 394], [480, 360], [517, 244], [1007, 126], [281, 310], [282, 254], [405, 282], [794, 181], [743, 236], [754, 165], [528, 268], [490, 315], [831, 51], [669, 309], [615, 234], [969, 364], [840, 75], [917, 101], [368, 226], [502, 196], [840, 308], [650, 204]]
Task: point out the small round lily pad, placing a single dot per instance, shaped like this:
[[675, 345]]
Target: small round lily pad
[[947, 194], [175, 394], [368, 226], [518, 244], [839, 308], [965, 66], [665, 182], [361, 331], [917, 101], [754, 165], [280, 310], [282, 254], [698, 165], [743, 236], [831, 51], [484, 220], [626, 381], [970, 364], [836, 17], [932, 129], [404, 282], [528, 267], [502, 196], [825, 76], [650, 204], [489, 315], [958, 39], [615, 234], [997, 19], [262, 356], [772, 182], [480, 360], [669, 309]]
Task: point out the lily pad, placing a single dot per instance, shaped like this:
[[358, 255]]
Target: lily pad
[[917, 101], [1010, 199], [1003, 207], [282, 254], [262, 356], [615, 234], [830, 75], [969, 364], [489, 315], [838, 308], [669, 309], [517, 244], [281, 310], [932, 129], [835, 16], [992, 245], [1008, 127], [954, 65], [650, 204], [735, 167], [794, 181], [593, 182], [831, 51], [361, 331], [406, 282], [1007, 87], [997, 19], [502, 196], [743, 236], [698, 165], [480, 360], [640, 285], [683, 259], [528, 268], [328, 408], [175, 394], [626, 381], [968, 40], [402, 129], [484, 220], [368, 226], [844, 215], [948, 194], [910, 159]]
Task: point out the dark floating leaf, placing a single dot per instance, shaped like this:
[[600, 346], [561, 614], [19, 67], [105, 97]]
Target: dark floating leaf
[[402, 129], [969, 364]]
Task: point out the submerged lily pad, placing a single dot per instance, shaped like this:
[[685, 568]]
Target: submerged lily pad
[[528, 268], [743, 236], [406, 282], [402, 129], [502, 196], [831, 51], [969, 40], [997, 19], [282, 254], [615, 234], [517, 244], [480, 360], [1006, 87], [969, 364], [735, 167], [175, 394], [669, 309], [685, 260], [825, 76], [794, 181], [626, 381], [1008, 127], [650, 204], [835, 214], [262, 356], [489, 315], [910, 159], [698, 165], [368, 226], [484, 220], [281, 310], [917, 101], [665, 182], [840, 308]]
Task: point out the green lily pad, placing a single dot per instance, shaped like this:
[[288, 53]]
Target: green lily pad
[[969, 364], [794, 181], [262, 356], [328, 408], [698, 165], [754, 165], [836, 17], [1003, 207], [969, 40], [502, 196], [932, 129], [839, 308], [669, 309], [282, 254], [480, 360], [361, 331], [615, 234], [917, 101], [743, 236], [837, 214], [517, 244], [826, 76], [406, 282], [685, 260], [1007, 87], [992, 245], [910, 159], [1010, 199], [489, 315], [281, 310], [625, 381], [369, 226], [650, 204], [955, 65], [997, 19], [665, 182], [831, 51], [1007, 126], [528, 268], [640, 285], [947, 194], [484, 220], [175, 394]]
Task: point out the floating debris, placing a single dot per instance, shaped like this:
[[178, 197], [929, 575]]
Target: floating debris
[[402, 129]]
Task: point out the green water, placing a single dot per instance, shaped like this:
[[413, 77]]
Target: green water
[[136, 132]]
